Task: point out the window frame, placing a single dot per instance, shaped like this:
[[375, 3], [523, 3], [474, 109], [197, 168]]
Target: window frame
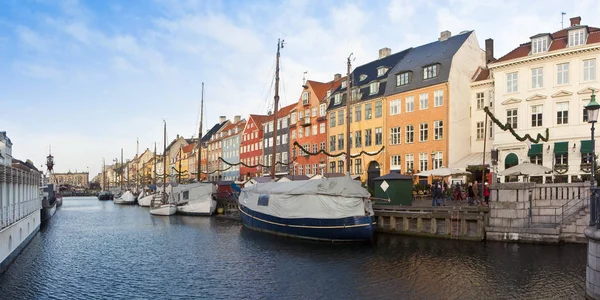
[[430, 71]]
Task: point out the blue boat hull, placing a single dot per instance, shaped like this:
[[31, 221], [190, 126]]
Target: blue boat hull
[[350, 229]]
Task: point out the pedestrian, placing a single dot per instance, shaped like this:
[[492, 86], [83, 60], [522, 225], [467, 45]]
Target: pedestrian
[[470, 194], [486, 193], [476, 192], [433, 193], [457, 192]]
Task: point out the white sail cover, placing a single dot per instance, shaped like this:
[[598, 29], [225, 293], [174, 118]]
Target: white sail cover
[[327, 198], [197, 191]]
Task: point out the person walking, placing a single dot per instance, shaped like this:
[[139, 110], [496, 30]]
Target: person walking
[[486, 194], [470, 194], [476, 192]]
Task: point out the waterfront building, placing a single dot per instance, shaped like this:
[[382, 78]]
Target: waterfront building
[[251, 150], [214, 146], [231, 148], [206, 161], [542, 84], [367, 117], [191, 158], [281, 139], [428, 102], [173, 150], [73, 179], [20, 203], [160, 169], [182, 163], [308, 126], [145, 166]]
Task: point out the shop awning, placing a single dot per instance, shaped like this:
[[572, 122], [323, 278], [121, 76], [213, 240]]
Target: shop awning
[[511, 160], [536, 149], [586, 146], [561, 147]]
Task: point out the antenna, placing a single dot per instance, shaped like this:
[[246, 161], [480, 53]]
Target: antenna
[[562, 16], [304, 79]]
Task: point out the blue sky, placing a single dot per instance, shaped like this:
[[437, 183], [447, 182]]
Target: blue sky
[[91, 77]]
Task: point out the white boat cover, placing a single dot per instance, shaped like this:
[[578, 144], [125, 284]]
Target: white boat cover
[[197, 191], [127, 197], [326, 198]]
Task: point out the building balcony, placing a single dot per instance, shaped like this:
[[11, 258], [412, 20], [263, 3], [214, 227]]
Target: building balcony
[[306, 122]]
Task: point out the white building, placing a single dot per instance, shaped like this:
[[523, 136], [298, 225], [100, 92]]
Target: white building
[[5, 149], [545, 84]]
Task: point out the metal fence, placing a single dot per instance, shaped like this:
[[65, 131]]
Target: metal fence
[[12, 213]]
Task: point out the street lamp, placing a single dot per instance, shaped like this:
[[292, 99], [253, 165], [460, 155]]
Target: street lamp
[[592, 110]]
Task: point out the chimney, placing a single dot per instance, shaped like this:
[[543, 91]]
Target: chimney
[[337, 76], [222, 119], [236, 119], [444, 35], [489, 51], [178, 136], [575, 21], [269, 113], [384, 52]]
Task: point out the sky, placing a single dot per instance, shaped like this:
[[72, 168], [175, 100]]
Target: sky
[[88, 78]]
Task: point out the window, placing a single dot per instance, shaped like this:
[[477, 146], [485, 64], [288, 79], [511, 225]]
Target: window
[[332, 143], [378, 136], [300, 133], [378, 109], [322, 128], [340, 166], [511, 118], [561, 158], [438, 130], [341, 141], [368, 113], [337, 99], [536, 116], [358, 166], [357, 113], [562, 73], [395, 162], [358, 139], [395, 136], [284, 139], [315, 148], [328, 93], [332, 120], [315, 129], [491, 129], [368, 137], [512, 84], [381, 71], [403, 79], [589, 70], [437, 160], [438, 98], [284, 157], [410, 104], [350, 115], [322, 108], [562, 113], [307, 113], [344, 83], [394, 107], [410, 163], [341, 117], [410, 133], [332, 167], [585, 112], [350, 140], [536, 159], [307, 131], [423, 162], [539, 45], [373, 88], [423, 132], [322, 146], [430, 71], [423, 101], [314, 169], [586, 158], [576, 37], [480, 100], [480, 130], [300, 170], [354, 94], [537, 78], [314, 111]]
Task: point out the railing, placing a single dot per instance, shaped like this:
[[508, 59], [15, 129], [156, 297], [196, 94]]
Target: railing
[[12, 213]]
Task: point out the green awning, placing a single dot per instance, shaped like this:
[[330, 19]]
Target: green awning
[[536, 149], [586, 146], [561, 147], [511, 160]]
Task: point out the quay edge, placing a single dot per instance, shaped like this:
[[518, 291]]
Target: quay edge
[[17, 236]]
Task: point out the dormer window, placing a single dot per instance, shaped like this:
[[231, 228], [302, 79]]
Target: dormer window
[[363, 77], [381, 71], [577, 37], [328, 93], [374, 88], [539, 45], [430, 72], [337, 99], [344, 84], [402, 79], [354, 94], [305, 98]]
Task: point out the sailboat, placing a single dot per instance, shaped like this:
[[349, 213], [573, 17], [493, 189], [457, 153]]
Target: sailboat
[[160, 205], [104, 194], [146, 199], [329, 209], [196, 199]]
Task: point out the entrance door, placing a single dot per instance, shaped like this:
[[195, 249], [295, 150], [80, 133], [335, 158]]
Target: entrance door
[[372, 172]]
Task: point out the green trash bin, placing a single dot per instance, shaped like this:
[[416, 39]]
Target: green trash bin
[[396, 187]]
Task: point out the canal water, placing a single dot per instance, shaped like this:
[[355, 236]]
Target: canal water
[[97, 250]]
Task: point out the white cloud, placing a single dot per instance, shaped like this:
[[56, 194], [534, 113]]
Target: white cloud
[[400, 11], [37, 70]]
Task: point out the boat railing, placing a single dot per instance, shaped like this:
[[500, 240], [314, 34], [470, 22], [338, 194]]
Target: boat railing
[[14, 212]]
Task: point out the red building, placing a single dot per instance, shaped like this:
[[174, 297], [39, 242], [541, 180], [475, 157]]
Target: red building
[[308, 126], [251, 151]]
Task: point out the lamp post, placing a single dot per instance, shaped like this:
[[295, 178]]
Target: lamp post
[[592, 110]]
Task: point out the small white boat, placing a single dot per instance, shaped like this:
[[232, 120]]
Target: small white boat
[[146, 200], [164, 210], [127, 198], [194, 199]]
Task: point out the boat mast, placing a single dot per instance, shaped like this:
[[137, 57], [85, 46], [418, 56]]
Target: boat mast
[[348, 117], [180, 158], [103, 175], [165, 162], [153, 176], [135, 166], [121, 169], [276, 107], [199, 162]]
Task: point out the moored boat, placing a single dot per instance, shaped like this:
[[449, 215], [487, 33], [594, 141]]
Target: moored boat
[[194, 199], [168, 209], [48, 203], [59, 200], [127, 198], [105, 195]]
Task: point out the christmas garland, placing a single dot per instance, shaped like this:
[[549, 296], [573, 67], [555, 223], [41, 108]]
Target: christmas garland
[[362, 152], [257, 165], [508, 127]]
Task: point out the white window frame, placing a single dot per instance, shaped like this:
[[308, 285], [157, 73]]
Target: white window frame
[[395, 162], [410, 162], [577, 37], [438, 160], [537, 115], [395, 135], [430, 71], [423, 132], [480, 99], [539, 45], [410, 104], [438, 98], [305, 98], [403, 79], [373, 88], [438, 130], [322, 127], [512, 117], [562, 73], [537, 78], [562, 113], [479, 130], [589, 69], [512, 82], [337, 99], [394, 107], [322, 110], [423, 101], [410, 134], [423, 161]]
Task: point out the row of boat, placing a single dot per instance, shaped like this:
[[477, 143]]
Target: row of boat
[[51, 201]]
